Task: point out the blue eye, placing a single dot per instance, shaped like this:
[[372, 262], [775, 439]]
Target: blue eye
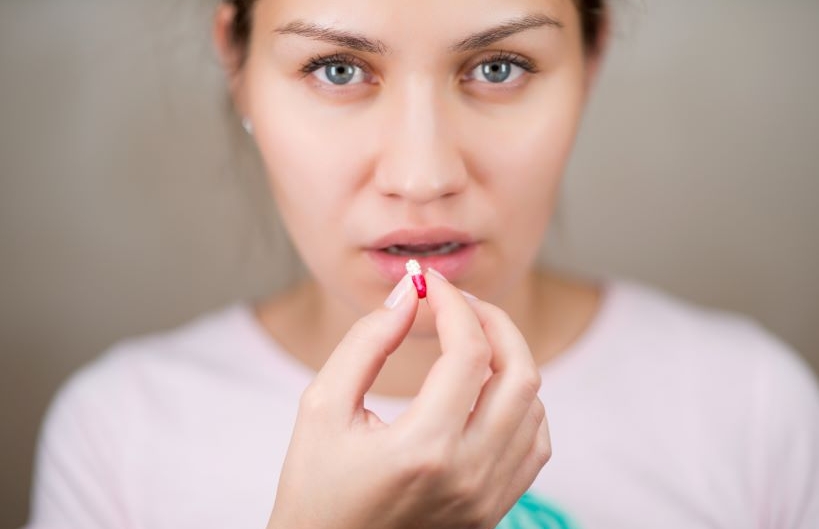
[[336, 69], [497, 71], [340, 74], [501, 67]]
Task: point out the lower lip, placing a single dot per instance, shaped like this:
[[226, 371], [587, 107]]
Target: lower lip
[[451, 265]]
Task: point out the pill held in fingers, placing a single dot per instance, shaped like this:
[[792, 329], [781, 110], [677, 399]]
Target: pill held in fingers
[[414, 270]]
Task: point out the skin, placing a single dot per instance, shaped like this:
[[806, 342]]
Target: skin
[[422, 141]]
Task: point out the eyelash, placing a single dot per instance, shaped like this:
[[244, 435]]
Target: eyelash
[[508, 56], [320, 61]]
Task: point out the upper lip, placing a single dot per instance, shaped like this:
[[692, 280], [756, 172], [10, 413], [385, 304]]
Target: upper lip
[[419, 236]]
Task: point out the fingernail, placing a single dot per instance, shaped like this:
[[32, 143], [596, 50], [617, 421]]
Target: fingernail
[[436, 273], [398, 292], [467, 295]]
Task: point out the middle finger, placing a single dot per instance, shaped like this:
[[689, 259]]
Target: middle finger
[[453, 384]]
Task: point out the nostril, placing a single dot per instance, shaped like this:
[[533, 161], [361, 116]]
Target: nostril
[[420, 178]]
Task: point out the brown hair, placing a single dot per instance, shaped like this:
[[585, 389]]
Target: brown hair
[[591, 22]]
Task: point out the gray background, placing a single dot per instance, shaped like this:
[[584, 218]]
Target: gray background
[[129, 202]]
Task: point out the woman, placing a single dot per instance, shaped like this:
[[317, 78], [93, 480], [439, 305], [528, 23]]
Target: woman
[[437, 131]]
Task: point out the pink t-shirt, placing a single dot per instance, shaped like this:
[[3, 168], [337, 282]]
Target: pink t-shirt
[[662, 415]]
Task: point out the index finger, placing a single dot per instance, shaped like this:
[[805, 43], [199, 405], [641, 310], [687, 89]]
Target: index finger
[[354, 364]]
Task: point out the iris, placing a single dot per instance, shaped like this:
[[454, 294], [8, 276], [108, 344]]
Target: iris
[[340, 74], [496, 72]]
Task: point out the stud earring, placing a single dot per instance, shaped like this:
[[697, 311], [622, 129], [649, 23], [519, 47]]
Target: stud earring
[[247, 125]]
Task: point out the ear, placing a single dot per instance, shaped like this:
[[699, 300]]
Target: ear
[[229, 53], [595, 56]]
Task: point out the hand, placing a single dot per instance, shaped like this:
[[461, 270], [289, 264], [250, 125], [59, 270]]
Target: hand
[[459, 457]]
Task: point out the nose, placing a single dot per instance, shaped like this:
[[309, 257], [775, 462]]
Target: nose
[[420, 160]]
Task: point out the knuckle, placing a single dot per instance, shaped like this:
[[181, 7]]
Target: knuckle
[[483, 511], [368, 333], [363, 329], [472, 339], [432, 464], [313, 401], [473, 352], [467, 489], [469, 496], [437, 467], [543, 451], [538, 411], [529, 384], [477, 351], [475, 511]]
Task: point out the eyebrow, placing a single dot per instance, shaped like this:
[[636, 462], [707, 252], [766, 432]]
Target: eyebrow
[[345, 39], [489, 36], [476, 41]]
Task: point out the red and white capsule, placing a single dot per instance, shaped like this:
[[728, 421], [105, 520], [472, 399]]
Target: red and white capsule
[[414, 270]]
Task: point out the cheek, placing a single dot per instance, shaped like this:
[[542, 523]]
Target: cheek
[[521, 157], [308, 152]]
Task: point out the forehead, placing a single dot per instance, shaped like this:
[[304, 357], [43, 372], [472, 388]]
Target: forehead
[[402, 23]]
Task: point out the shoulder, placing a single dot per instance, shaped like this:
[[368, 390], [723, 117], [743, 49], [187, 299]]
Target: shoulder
[[136, 367], [720, 380], [652, 322], [742, 395], [712, 362]]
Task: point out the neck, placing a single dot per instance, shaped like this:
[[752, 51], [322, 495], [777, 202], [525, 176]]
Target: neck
[[550, 311]]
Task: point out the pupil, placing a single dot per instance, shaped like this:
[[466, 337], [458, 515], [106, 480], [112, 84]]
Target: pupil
[[497, 72]]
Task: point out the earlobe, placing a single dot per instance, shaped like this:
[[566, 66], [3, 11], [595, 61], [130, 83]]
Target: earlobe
[[247, 125]]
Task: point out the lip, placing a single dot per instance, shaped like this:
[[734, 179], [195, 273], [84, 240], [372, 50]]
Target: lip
[[438, 235], [452, 265]]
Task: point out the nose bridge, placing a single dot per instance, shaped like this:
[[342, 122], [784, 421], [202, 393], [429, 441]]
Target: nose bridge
[[420, 160]]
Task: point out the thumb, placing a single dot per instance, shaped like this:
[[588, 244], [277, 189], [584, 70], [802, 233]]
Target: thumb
[[356, 361]]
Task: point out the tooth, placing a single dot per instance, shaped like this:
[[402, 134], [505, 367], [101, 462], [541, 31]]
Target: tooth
[[422, 250]]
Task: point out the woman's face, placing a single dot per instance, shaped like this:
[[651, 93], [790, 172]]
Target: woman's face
[[426, 129]]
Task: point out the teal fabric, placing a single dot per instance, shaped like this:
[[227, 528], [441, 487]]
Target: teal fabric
[[531, 512]]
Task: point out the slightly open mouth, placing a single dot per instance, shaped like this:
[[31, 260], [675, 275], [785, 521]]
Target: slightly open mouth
[[423, 250]]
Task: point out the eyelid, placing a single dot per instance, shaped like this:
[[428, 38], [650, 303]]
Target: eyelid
[[320, 61], [506, 56]]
